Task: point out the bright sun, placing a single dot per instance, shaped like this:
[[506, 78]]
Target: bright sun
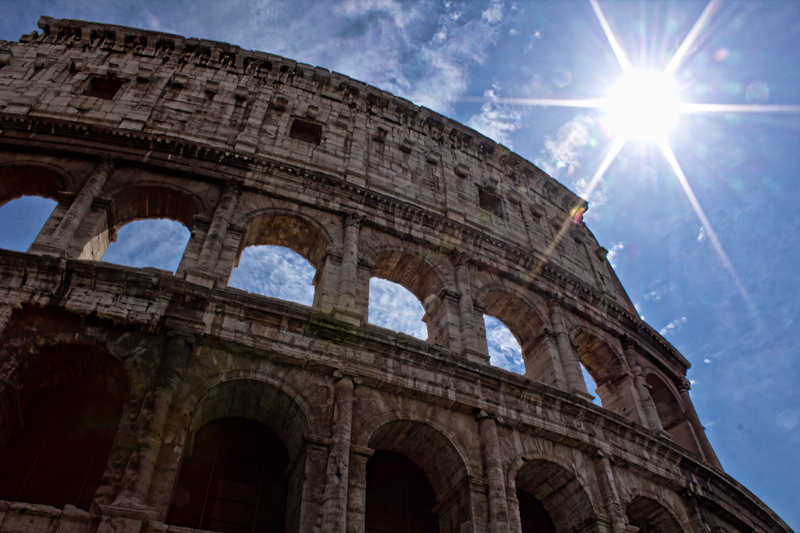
[[643, 105]]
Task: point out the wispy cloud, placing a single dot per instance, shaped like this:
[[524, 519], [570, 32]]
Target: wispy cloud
[[504, 350], [157, 243], [275, 271], [674, 326], [393, 307], [613, 253], [496, 120]]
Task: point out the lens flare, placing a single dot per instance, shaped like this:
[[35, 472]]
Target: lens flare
[[643, 105]]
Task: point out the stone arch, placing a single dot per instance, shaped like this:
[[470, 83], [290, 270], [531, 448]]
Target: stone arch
[[519, 313], [255, 395], [290, 229], [416, 272], [145, 200], [557, 488], [425, 279], [258, 397], [431, 449], [604, 361], [671, 413], [607, 365], [651, 515], [62, 395], [155, 200], [32, 179]]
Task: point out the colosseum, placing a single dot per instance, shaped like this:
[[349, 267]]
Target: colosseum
[[139, 400]]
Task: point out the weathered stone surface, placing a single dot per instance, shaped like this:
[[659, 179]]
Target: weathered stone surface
[[247, 148]]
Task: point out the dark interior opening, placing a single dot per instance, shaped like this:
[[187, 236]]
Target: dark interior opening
[[104, 87], [303, 130], [233, 482], [59, 456], [490, 201], [399, 496], [533, 517]]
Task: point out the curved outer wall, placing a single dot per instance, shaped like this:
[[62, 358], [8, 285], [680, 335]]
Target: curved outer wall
[[244, 148]]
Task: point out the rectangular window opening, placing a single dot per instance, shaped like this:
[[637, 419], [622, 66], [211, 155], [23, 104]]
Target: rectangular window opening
[[306, 131], [490, 201], [104, 87]]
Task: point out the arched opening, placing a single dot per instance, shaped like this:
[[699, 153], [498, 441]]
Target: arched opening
[[532, 515], [420, 278], [438, 462], [60, 413], [557, 499], [611, 381], [143, 203], [651, 517], [30, 180], [22, 220], [671, 414], [591, 386], [261, 257], [393, 307], [268, 406], [157, 243], [59, 456], [233, 481], [275, 271], [399, 496], [504, 349], [537, 347]]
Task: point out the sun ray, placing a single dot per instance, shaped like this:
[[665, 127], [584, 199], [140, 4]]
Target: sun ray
[[698, 209], [567, 224], [737, 108], [544, 102], [612, 39], [601, 170], [687, 43]]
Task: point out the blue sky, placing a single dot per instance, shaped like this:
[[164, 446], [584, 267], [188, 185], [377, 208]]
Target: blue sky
[[725, 293]]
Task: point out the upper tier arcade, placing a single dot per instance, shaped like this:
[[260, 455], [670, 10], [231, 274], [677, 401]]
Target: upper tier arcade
[[246, 148]]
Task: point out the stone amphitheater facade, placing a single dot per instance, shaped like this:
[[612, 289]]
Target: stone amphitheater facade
[[141, 400]]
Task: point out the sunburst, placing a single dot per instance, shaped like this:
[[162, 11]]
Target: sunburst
[[643, 106]]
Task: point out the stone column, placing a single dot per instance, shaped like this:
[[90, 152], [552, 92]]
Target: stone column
[[334, 500], [151, 422], [64, 233], [490, 450], [349, 271], [693, 508], [569, 361], [642, 389], [608, 490], [212, 245], [357, 491], [699, 430], [466, 311]]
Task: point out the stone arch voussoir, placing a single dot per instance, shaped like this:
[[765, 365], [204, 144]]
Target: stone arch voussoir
[[654, 513], [32, 178], [424, 273], [558, 488], [290, 228], [150, 199]]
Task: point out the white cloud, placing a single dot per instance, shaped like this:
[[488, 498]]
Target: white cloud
[[701, 235], [504, 350], [157, 243], [275, 271], [562, 151], [674, 326], [613, 253], [393, 307], [496, 121]]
